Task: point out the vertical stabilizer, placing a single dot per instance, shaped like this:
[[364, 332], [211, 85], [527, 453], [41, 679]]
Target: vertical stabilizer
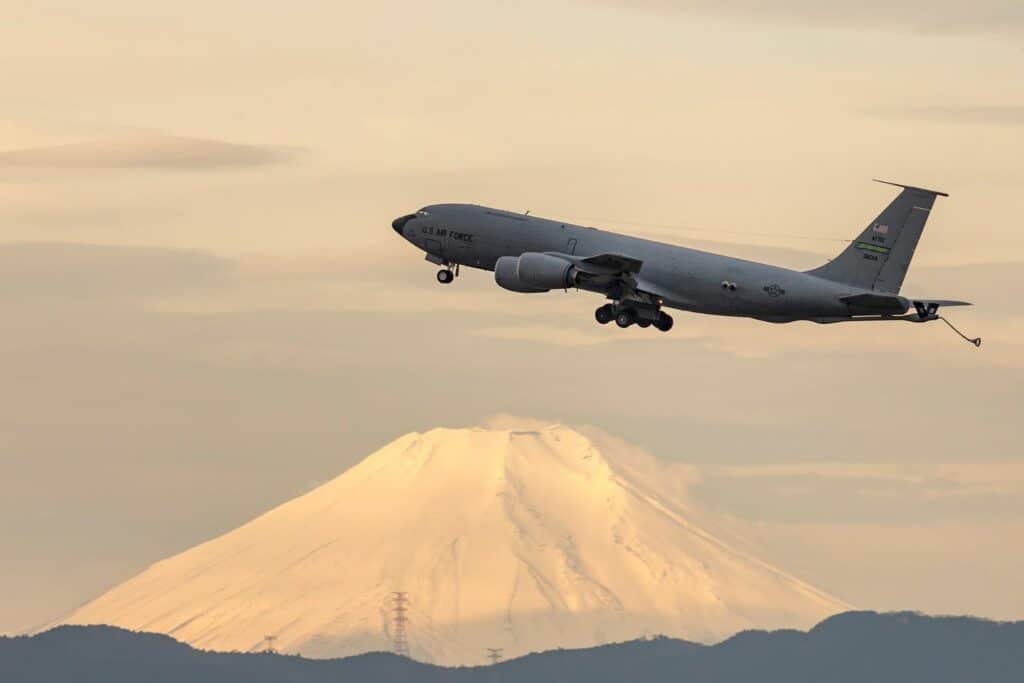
[[880, 256]]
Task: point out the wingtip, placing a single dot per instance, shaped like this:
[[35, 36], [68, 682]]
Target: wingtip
[[911, 187]]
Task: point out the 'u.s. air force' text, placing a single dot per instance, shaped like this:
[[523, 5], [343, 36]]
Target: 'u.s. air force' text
[[452, 234]]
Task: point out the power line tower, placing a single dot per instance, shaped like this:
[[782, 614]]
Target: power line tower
[[400, 609], [269, 644], [494, 654]]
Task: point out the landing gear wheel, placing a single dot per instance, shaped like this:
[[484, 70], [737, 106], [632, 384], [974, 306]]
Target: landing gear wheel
[[445, 276], [664, 322], [643, 323], [625, 318], [605, 314]]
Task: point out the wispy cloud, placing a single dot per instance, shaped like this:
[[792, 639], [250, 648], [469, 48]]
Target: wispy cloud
[[1006, 115], [879, 493], [72, 274], [147, 151], [915, 16]]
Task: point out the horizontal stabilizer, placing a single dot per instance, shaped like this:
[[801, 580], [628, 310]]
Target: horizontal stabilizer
[[887, 304], [877, 303], [940, 302]]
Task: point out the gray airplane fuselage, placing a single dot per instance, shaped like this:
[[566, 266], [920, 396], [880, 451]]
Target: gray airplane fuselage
[[681, 278]]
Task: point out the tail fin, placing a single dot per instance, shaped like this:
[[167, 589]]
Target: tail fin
[[879, 258]]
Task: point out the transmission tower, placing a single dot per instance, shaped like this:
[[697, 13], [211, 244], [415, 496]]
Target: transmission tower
[[494, 654], [400, 607]]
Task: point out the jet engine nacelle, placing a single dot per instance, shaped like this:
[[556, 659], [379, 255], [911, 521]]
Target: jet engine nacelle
[[533, 272]]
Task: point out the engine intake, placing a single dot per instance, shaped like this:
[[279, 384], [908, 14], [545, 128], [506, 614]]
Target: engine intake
[[533, 272]]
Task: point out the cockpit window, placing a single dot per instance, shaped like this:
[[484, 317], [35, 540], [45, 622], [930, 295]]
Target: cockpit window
[[422, 212]]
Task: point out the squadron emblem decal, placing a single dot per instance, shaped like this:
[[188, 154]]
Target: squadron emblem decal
[[773, 290]]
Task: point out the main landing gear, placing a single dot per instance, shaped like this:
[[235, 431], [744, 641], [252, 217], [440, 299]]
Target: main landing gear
[[446, 275], [625, 317]]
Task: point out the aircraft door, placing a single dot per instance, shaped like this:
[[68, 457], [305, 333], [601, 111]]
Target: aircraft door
[[432, 246], [458, 251]]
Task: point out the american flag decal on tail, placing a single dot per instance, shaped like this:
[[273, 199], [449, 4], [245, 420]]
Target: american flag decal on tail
[[879, 227]]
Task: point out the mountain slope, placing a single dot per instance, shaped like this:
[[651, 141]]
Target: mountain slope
[[524, 540]]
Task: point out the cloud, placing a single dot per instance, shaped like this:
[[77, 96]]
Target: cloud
[[936, 568], [555, 334], [80, 273], [356, 283], [876, 493], [507, 421], [914, 16], [147, 151], [1003, 115]]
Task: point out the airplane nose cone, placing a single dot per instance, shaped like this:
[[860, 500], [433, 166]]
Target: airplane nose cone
[[399, 223]]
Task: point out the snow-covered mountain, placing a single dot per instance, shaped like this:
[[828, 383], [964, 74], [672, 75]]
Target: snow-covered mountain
[[521, 540]]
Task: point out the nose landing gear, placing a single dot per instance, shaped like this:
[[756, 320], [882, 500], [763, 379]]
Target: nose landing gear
[[446, 274]]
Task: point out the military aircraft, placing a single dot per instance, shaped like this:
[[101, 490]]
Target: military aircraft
[[641, 277]]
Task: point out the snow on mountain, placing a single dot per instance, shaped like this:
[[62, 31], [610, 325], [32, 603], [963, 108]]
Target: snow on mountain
[[524, 540]]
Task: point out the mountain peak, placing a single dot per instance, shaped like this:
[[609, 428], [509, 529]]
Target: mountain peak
[[520, 538]]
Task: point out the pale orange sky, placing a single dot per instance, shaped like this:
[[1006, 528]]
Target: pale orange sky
[[204, 300]]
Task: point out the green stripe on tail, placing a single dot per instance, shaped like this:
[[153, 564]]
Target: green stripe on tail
[[867, 246]]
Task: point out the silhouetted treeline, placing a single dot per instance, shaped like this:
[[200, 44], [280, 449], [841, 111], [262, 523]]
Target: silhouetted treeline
[[855, 647]]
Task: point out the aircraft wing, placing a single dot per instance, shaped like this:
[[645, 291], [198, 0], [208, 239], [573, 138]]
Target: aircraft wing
[[617, 272], [610, 264]]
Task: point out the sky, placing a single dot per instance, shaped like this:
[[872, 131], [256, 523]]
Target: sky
[[207, 312]]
